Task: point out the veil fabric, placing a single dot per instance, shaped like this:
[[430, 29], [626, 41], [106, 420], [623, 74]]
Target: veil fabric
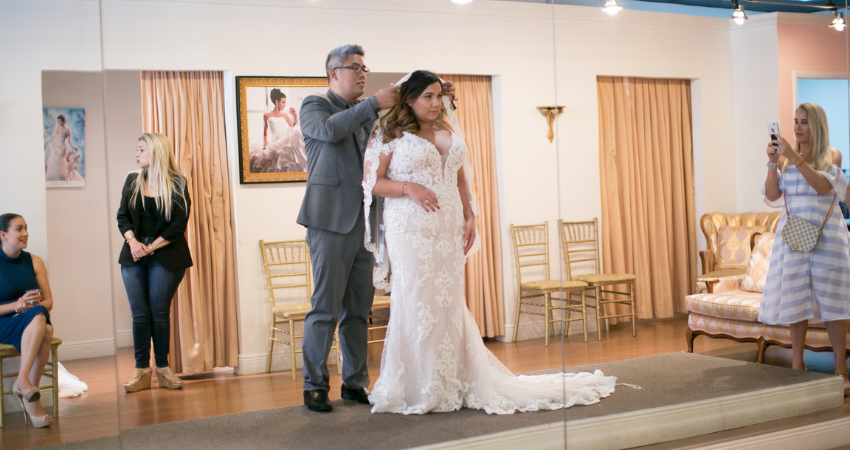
[[374, 241]]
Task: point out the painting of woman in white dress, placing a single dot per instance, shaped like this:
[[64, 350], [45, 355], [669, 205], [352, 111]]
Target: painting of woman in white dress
[[64, 143], [270, 128]]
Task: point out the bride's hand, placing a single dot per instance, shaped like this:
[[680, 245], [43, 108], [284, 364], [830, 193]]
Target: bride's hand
[[468, 234], [426, 198]]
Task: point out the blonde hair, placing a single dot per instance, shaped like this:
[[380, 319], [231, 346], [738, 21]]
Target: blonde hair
[[816, 117], [400, 118], [165, 179]]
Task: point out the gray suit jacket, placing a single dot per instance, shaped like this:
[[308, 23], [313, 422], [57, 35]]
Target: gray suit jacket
[[336, 135]]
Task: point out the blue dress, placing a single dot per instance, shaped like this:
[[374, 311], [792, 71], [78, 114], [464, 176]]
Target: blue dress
[[17, 276]]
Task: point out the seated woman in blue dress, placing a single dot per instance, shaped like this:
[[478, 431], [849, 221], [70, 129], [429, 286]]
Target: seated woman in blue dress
[[25, 302]]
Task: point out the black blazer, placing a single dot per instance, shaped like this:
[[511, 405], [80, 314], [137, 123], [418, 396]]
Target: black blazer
[[174, 256]]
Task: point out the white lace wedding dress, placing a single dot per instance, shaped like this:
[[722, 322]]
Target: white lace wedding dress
[[434, 359]]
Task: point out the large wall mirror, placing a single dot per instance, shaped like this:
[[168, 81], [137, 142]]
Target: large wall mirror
[[622, 236]]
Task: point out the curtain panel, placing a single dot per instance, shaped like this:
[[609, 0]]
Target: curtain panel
[[188, 107], [647, 182]]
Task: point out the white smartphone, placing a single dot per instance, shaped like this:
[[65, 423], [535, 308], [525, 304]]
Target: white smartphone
[[773, 131]]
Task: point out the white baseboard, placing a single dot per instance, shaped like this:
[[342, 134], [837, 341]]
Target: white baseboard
[[250, 364], [124, 338], [534, 330], [86, 349]]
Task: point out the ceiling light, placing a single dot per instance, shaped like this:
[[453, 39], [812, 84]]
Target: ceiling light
[[739, 16], [612, 7], [460, 2], [838, 23]]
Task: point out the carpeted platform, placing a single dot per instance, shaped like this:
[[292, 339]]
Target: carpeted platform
[[706, 393]]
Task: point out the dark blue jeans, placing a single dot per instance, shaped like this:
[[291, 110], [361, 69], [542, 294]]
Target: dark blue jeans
[[150, 290]]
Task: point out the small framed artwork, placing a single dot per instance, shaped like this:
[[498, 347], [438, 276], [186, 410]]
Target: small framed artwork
[[64, 147], [271, 146]]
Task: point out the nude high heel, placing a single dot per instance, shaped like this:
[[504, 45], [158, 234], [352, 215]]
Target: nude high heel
[[165, 378], [32, 394], [37, 421], [141, 380], [843, 371]]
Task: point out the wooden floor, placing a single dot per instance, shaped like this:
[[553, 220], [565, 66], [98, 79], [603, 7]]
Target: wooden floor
[[101, 413]]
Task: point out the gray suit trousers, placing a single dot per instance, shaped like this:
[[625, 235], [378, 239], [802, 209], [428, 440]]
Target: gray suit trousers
[[343, 293]]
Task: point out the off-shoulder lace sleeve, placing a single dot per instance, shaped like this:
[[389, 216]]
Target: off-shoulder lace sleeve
[[373, 209]]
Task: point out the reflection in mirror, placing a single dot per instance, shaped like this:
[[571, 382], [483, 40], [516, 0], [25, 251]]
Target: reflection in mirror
[[55, 179], [674, 134]]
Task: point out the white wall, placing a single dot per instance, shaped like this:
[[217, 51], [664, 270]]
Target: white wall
[[77, 223], [755, 69]]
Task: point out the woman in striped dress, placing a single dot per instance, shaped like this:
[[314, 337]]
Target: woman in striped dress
[[814, 284]]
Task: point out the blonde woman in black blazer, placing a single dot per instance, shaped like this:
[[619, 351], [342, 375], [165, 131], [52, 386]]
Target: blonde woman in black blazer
[[152, 217]]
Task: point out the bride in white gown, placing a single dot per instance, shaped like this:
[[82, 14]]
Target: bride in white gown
[[434, 359], [56, 152], [283, 145]]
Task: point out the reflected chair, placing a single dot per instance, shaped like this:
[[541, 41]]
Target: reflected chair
[[288, 261], [531, 255], [50, 370], [727, 238], [581, 250]]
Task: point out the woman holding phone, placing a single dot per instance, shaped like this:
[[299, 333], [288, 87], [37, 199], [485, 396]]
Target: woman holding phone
[[152, 217], [804, 285], [25, 302]]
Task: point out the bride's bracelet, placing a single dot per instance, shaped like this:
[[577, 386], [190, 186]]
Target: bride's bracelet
[[403, 186]]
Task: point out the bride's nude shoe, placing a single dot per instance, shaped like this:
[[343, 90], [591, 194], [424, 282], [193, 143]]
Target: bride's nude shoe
[[37, 421], [166, 379], [141, 380], [843, 371]]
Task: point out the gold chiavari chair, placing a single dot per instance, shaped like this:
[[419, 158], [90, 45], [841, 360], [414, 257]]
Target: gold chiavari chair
[[288, 261], [380, 302], [531, 255], [581, 248]]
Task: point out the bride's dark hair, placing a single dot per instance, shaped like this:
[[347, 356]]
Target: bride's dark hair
[[400, 117]]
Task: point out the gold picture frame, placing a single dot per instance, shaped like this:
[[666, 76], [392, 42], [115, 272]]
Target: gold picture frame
[[273, 154]]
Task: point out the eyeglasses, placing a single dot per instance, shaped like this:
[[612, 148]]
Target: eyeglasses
[[362, 69]]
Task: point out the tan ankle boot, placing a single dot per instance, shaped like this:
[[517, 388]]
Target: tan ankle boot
[[141, 380], [843, 371], [166, 379]]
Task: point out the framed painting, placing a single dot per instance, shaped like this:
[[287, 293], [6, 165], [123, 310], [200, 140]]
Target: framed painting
[[64, 147], [271, 146]]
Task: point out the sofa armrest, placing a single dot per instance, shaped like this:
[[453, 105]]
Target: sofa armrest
[[708, 261], [725, 284]]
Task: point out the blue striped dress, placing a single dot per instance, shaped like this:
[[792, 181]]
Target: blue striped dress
[[814, 284]]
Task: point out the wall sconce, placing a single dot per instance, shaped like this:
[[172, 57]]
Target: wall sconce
[[550, 112]]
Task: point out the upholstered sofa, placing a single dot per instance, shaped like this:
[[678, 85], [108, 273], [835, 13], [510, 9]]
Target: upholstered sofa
[[727, 238], [730, 308]]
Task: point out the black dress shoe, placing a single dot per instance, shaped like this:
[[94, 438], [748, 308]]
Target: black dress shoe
[[317, 401], [361, 395]]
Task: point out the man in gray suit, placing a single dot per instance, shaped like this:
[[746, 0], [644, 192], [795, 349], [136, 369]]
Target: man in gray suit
[[336, 129]]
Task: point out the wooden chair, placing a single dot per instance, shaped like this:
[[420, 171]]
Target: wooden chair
[[289, 261], [50, 370], [581, 247], [380, 302], [531, 250]]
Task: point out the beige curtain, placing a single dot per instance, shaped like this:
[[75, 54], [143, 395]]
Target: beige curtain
[[483, 279], [188, 107], [646, 168]]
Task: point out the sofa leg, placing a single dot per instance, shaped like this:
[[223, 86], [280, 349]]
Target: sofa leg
[[690, 337], [762, 349]]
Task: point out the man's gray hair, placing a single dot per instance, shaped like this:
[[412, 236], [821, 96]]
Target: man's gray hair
[[337, 56]]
